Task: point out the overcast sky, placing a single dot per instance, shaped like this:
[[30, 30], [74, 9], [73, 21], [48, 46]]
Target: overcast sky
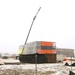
[[55, 22]]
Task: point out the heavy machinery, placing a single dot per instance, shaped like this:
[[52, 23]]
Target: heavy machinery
[[38, 51]]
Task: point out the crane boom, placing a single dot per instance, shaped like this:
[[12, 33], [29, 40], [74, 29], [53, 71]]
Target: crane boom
[[30, 28]]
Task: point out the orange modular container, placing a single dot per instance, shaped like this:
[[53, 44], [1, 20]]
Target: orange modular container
[[42, 47], [46, 43], [46, 51]]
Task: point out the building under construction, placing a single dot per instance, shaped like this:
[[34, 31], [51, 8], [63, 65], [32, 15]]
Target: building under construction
[[44, 52], [40, 51]]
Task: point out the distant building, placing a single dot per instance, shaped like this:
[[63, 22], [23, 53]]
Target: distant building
[[65, 51]]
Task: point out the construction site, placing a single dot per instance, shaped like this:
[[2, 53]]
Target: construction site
[[39, 58], [45, 52], [41, 51]]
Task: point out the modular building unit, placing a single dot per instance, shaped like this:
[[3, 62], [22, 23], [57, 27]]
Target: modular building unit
[[45, 52]]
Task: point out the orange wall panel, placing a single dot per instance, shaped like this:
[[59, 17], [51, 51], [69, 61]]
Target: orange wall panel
[[46, 51], [46, 43]]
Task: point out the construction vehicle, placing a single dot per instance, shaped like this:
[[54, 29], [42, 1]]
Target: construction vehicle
[[37, 51]]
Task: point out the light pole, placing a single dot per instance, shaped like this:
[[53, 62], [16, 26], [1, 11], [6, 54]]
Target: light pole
[[36, 64]]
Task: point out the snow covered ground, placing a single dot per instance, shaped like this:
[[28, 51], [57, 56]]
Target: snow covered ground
[[40, 69], [9, 61]]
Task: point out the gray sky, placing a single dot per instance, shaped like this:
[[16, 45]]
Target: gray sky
[[55, 22]]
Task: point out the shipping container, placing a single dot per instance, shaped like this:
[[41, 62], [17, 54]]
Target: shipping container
[[41, 58], [39, 47], [45, 51]]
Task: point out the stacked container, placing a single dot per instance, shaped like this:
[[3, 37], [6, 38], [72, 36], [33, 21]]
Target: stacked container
[[46, 51]]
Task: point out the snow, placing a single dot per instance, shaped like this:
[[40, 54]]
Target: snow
[[55, 68], [10, 60]]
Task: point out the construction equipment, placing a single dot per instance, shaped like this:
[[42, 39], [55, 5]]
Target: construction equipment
[[38, 51]]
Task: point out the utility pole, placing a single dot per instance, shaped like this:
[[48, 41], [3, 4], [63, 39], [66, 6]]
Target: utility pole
[[36, 64]]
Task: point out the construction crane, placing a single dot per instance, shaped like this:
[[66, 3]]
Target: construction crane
[[38, 51]]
